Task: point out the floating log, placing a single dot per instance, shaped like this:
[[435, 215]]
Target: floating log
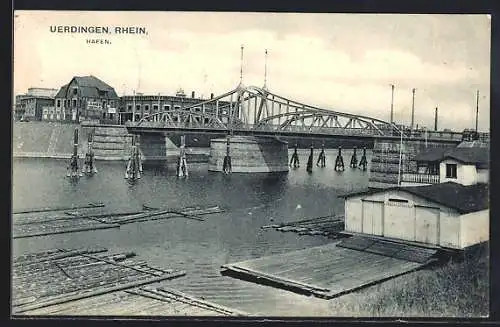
[[90, 205], [69, 230], [104, 290]]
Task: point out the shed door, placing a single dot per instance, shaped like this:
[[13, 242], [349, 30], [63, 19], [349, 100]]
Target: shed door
[[427, 225], [372, 222], [399, 220]]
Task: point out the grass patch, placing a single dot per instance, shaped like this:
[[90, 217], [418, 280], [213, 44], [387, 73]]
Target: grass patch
[[457, 288]]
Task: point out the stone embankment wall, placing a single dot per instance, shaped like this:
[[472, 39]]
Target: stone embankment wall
[[385, 159], [55, 140]]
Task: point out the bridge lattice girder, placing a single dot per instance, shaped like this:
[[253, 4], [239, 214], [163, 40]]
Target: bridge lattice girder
[[258, 109]]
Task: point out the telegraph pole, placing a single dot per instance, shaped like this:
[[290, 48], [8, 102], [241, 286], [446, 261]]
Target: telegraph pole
[[412, 109], [477, 108], [392, 104], [265, 71], [241, 66]]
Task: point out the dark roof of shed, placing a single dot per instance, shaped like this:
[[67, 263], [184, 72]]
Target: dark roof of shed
[[470, 155], [89, 86], [477, 156], [464, 199]]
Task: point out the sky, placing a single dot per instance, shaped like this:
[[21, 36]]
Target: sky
[[344, 62]]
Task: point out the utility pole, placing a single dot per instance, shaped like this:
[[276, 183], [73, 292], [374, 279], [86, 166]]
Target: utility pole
[[392, 104], [477, 108], [241, 66], [133, 106], [265, 71], [412, 109]]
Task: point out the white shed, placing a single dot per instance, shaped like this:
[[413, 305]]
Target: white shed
[[448, 214]]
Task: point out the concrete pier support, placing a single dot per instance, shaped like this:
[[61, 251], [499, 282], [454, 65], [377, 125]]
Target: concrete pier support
[[249, 154]]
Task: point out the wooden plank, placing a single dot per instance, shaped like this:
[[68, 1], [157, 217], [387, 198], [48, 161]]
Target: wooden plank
[[60, 208], [325, 271]]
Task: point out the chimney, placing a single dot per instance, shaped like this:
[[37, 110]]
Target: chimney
[[192, 94], [211, 96], [436, 120]]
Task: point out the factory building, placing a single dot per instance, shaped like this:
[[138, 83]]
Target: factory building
[[138, 106]]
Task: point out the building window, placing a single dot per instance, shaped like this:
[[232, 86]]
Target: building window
[[177, 107], [398, 200], [75, 91], [146, 107], [138, 107], [74, 103], [155, 107], [166, 107], [129, 108], [451, 171], [58, 103]]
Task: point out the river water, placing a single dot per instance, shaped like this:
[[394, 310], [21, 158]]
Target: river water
[[200, 248]]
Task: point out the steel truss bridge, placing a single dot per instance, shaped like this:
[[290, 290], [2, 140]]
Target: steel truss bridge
[[256, 111]]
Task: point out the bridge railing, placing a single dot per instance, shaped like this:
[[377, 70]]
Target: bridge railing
[[429, 135]]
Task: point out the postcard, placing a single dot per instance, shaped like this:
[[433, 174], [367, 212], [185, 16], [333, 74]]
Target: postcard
[[250, 164]]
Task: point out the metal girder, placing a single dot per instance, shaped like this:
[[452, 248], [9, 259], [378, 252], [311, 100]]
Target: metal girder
[[254, 108]]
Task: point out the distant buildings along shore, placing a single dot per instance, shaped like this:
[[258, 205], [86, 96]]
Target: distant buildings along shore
[[87, 98]]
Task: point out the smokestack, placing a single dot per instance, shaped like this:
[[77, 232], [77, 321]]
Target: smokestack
[[192, 94], [436, 120], [211, 96], [412, 109]]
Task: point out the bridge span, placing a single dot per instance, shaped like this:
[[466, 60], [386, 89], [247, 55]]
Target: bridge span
[[254, 111]]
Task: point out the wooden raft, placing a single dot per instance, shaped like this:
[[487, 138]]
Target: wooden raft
[[334, 269], [60, 208], [71, 221], [325, 226], [59, 276]]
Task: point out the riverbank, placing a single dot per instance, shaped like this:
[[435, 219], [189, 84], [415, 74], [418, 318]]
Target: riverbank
[[457, 288]]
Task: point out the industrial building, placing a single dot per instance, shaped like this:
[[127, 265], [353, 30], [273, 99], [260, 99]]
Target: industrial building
[[30, 106], [86, 98], [448, 214], [138, 106]]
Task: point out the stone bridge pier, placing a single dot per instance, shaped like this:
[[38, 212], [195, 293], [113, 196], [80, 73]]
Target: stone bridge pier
[[249, 154]]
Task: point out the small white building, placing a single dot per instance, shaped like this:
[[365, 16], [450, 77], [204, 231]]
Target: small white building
[[448, 214], [462, 165]]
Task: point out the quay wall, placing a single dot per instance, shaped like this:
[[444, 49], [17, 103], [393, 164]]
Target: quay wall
[[55, 140]]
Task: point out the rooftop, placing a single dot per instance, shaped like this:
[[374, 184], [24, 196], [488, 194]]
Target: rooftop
[[89, 86], [478, 156], [464, 199]]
